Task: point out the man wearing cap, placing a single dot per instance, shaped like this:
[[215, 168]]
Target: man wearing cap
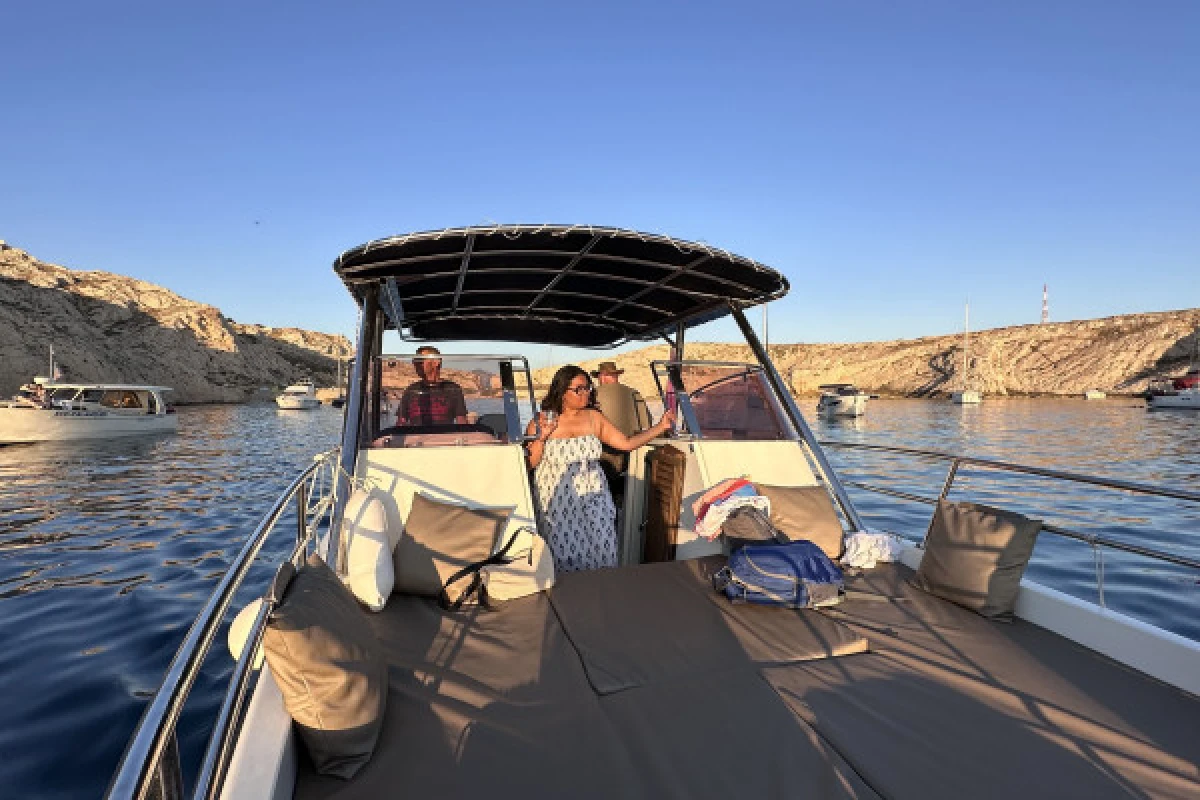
[[626, 410]]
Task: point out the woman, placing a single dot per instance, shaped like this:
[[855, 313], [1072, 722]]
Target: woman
[[576, 507]]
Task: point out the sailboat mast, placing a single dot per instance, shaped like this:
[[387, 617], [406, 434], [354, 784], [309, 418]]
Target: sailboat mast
[[966, 344]]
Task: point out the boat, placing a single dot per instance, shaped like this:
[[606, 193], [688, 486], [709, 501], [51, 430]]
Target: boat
[[300, 396], [966, 395], [638, 680], [1094, 394], [1178, 393], [842, 400], [51, 411]]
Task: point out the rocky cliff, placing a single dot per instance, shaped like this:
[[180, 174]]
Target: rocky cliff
[[110, 328], [1116, 354]]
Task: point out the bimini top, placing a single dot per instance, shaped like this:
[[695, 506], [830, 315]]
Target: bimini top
[[552, 284]]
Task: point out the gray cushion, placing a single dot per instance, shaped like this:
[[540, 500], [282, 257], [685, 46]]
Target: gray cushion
[[747, 525], [326, 662], [441, 538], [805, 512], [975, 556]]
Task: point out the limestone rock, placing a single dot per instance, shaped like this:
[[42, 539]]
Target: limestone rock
[[1118, 355], [111, 328]]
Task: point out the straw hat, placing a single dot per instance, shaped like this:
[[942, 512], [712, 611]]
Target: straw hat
[[609, 367]]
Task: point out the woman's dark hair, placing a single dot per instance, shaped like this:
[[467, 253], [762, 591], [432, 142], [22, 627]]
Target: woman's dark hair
[[553, 401]]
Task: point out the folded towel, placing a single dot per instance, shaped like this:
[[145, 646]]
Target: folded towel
[[865, 548]]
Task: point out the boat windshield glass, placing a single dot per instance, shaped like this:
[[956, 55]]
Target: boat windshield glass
[[726, 400], [447, 399]]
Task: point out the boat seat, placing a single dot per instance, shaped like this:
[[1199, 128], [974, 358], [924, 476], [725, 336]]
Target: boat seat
[[435, 435], [993, 710], [496, 423]]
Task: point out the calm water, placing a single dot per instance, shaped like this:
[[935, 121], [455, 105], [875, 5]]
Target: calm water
[[108, 550]]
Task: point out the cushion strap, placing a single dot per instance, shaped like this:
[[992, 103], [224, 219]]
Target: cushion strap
[[476, 585]]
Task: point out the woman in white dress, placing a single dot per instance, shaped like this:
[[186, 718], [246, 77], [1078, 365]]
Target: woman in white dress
[[576, 507]]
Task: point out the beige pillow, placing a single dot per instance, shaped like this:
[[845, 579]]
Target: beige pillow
[[239, 632], [441, 538], [326, 662], [975, 556], [805, 512]]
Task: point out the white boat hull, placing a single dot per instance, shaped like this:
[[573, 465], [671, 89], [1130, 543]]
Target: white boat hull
[[21, 425], [1094, 394], [967, 397], [1188, 398], [297, 402], [843, 406]]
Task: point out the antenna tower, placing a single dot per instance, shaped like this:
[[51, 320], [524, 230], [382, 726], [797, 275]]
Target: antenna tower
[[1045, 304]]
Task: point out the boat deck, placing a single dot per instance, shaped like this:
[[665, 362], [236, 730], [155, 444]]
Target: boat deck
[[643, 682]]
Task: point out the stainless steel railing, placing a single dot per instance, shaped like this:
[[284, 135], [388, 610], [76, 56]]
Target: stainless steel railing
[[1096, 541], [150, 765]]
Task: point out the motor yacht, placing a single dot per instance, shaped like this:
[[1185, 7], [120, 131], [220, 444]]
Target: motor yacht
[[1094, 394], [300, 396], [1181, 393], [842, 400], [49, 411], [641, 681]]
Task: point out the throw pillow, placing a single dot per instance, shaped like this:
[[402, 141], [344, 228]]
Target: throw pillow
[[975, 556], [441, 538], [805, 512], [369, 572], [328, 667]]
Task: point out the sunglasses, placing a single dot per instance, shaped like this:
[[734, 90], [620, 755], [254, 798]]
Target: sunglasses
[[579, 389]]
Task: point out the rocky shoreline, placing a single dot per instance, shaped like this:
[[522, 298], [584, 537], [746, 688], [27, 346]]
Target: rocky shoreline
[[107, 327], [1119, 355]]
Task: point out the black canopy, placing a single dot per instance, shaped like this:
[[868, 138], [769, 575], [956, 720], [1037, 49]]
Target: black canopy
[[552, 284]]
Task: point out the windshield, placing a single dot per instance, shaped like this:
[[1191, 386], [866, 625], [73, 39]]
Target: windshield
[[722, 400], [433, 399]]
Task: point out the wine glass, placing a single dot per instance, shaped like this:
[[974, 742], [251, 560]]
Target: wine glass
[[549, 418]]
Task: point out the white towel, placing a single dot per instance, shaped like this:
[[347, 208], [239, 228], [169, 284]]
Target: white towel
[[865, 548]]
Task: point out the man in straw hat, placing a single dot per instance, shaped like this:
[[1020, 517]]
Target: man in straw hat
[[626, 410]]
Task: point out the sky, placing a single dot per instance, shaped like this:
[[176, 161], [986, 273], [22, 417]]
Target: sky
[[893, 159]]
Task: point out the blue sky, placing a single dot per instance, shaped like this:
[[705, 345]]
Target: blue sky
[[892, 158]]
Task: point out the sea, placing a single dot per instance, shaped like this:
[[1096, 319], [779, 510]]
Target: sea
[[109, 549]]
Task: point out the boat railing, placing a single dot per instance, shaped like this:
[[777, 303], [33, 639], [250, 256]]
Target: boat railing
[[150, 766], [1095, 541]]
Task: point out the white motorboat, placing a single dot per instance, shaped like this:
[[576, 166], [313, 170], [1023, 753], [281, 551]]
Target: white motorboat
[[300, 396], [842, 400], [1094, 394], [48, 411], [1181, 393], [966, 395], [637, 680]]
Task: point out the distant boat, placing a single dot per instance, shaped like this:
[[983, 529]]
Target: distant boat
[[1094, 394], [48, 411], [1182, 392], [966, 395], [300, 396], [842, 400]]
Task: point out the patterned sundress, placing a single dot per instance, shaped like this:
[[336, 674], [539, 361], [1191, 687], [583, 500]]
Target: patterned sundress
[[576, 508]]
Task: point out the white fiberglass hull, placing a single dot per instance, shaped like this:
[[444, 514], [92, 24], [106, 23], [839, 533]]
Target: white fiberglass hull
[[18, 425], [1187, 398], [843, 406], [967, 397], [297, 402]]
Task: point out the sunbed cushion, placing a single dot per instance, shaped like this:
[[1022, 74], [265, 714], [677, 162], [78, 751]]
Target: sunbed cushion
[[639, 625], [441, 538], [329, 669], [993, 711], [805, 512], [975, 556]]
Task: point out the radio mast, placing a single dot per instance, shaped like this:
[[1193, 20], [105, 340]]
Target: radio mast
[[1045, 304]]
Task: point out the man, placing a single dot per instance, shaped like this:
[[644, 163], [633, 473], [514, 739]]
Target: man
[[431, 400], [626, 410]]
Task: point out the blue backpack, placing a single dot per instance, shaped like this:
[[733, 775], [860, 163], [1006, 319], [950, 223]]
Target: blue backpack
[[794, 575]]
